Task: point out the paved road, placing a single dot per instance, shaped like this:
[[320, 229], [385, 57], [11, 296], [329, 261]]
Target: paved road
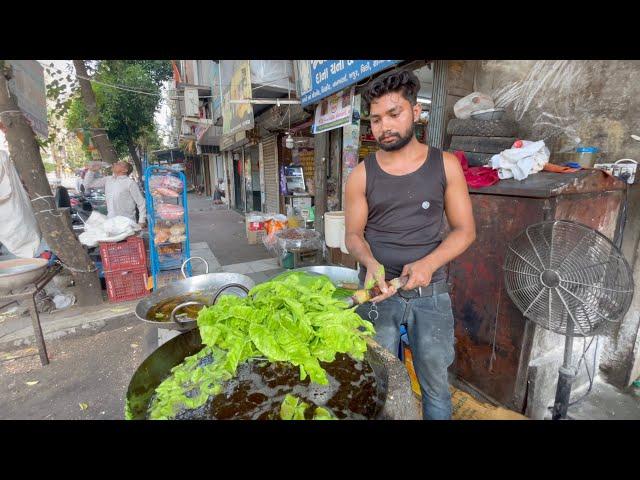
[[93, 370]]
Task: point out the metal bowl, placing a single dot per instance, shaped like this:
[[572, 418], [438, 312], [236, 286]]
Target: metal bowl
[[19, 272], [204, 288], [337, 275], [488, 114]]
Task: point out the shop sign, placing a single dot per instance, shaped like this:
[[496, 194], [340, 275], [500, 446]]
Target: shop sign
[[235, 76], [334, 112], [317, 79]]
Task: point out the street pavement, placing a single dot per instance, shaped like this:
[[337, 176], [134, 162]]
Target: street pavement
[[87, 377]]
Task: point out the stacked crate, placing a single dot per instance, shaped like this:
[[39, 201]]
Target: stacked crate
[[125, 269]]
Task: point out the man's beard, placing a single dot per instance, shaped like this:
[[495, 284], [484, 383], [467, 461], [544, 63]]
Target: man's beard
[[401, 142]]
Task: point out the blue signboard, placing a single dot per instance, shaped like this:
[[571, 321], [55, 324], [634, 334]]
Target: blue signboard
[[318, 79]]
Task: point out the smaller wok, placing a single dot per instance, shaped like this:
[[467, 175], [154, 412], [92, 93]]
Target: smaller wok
[[199, 290]]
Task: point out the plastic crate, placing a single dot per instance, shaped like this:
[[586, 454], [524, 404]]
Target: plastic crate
[[125, 255], [126, 284]]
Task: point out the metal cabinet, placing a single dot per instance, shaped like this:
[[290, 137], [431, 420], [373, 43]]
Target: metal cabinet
[[493, 340]]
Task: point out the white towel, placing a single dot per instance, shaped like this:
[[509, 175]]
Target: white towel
[[519, 163]]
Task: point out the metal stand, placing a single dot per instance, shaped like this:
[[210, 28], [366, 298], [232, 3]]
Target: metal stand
[[566, 377], [30, 295], [157, 264]]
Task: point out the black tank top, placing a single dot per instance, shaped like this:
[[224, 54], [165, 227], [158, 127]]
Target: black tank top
[[406, 214]]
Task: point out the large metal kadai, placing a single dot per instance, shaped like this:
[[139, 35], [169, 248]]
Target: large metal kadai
[[392, 380], [570, 279]]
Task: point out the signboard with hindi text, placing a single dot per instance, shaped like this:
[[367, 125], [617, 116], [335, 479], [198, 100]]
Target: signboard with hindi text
[[317, 79]]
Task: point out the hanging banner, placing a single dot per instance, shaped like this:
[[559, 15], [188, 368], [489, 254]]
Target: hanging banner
[[235, 79], [27, 84], [350, 145], [317, 79], [334, 112]]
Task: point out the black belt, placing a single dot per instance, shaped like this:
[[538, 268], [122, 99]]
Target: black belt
[[428, 291]]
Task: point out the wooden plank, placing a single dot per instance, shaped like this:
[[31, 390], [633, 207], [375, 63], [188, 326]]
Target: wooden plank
[[549, 184]]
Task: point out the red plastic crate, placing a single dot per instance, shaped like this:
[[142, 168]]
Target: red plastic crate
[[125, 255], [126, 284]]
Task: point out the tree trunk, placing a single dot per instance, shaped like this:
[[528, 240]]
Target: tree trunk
[[25, 154], [134, 156], [98, 134]]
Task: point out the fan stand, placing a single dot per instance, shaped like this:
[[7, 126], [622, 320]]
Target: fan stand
[[567, 373], [566, 377]]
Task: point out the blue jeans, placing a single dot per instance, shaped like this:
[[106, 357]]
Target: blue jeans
[[429, 323]]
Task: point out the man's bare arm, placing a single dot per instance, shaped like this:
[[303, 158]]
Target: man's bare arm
[[90, 180], [356, 213], [457, 205], [355, 217]]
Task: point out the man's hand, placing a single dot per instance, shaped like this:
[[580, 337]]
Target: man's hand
[[419, 273], [375, 276]]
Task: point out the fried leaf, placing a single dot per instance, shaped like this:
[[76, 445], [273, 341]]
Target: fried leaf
[[323, 414], [292, 408]]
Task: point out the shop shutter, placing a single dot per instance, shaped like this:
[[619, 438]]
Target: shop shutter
[[271, 183]]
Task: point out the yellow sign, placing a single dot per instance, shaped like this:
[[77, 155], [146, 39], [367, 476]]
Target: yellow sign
[[235, 78]]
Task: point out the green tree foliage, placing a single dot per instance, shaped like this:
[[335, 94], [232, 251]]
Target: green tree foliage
[[128, 116]]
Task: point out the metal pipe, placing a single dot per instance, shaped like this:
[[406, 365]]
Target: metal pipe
[[566, 377]]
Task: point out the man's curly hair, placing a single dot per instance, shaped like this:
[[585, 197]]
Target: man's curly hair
[[403, 81]]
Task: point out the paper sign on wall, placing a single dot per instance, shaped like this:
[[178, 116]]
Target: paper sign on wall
[[334, 112]]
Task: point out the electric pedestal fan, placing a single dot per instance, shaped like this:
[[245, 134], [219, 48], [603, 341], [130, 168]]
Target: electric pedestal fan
[[570, 279]]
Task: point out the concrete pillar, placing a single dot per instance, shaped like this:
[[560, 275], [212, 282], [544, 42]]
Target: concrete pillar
[[620, 362], [321, 153], [437, 123]]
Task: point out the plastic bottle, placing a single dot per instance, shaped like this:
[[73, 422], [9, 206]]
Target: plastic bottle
[[586, 156]]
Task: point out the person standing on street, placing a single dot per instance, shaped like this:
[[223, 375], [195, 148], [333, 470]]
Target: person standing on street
[[123, 194], [396, 200]]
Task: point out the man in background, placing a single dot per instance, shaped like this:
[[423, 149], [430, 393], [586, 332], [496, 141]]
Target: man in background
[[122, 193]]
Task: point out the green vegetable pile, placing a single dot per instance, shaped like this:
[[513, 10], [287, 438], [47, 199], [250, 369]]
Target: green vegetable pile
[[293, 318]]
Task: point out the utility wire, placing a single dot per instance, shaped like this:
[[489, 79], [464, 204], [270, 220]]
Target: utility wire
[[136, 90]]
